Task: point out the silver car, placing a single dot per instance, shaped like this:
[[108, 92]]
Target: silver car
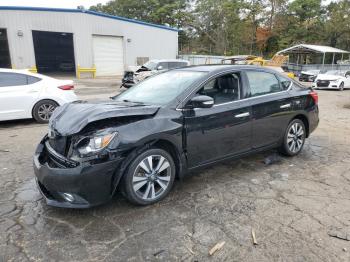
[[133, 76]]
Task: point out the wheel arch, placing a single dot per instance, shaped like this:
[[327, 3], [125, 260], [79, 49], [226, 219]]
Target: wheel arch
[[305, 121], [173, 151], [42, 99], [168, 146]]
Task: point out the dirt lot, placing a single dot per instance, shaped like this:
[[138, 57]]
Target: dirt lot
[[293, 205]]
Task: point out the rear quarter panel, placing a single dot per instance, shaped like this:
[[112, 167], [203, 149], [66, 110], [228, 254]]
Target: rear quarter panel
[[303, 104]]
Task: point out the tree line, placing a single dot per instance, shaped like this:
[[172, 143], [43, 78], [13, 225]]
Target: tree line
[[230, 27]]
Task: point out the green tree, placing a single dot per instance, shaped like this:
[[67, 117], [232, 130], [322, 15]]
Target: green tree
[[337, 26], [165, 12], [305, 21]]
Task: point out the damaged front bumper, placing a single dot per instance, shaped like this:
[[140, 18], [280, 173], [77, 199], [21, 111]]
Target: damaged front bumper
[[71, 184]]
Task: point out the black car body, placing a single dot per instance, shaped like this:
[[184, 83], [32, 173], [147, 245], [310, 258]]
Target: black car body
[[224, 112]]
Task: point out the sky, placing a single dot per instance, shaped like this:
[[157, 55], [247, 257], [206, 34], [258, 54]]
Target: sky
[[52, 3]]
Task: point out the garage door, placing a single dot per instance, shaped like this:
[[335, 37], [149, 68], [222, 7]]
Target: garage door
[[108, 55]]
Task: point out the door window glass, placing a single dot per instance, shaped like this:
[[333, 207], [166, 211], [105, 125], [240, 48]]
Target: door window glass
[[262, 83], [222, 89], [176, 64], [285, 82], [12, 79], [32, 80], [164, 65]]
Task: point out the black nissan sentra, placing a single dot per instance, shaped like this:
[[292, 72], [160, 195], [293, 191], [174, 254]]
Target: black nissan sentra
[[166, 126]]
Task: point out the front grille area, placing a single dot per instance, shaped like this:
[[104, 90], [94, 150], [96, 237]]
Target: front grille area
[[59, 144], [322, 83], [57, 160]]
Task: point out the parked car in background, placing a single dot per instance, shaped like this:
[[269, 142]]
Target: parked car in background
[[239, 59], [135, 75], [165, 126], [333, 79], [308, 76], [27, 95]]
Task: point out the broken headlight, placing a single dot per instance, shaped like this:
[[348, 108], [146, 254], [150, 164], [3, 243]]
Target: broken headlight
[[95, 142]]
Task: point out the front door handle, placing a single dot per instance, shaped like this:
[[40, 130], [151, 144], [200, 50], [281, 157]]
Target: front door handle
[[242, 115], [285, 106]]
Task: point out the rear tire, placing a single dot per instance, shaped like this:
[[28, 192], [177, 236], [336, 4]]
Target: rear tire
[[43, 110], [294, 138], [149, 178]]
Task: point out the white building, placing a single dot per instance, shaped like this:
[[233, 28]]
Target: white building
[[61, 39]]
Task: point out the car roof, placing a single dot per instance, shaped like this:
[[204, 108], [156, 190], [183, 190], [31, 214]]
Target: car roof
[[168, 60], [22, 71], [222, 67]]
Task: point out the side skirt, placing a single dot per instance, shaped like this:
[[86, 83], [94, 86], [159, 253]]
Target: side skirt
[[231, 157]]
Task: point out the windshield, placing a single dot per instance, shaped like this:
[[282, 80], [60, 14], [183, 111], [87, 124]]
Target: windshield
[[160, 89], [335, 72], [150, 65]]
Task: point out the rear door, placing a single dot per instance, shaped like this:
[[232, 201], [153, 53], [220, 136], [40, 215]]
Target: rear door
[[17, 94], [223, 130], [271, 107]]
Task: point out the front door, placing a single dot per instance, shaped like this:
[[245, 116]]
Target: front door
[[223, 130]]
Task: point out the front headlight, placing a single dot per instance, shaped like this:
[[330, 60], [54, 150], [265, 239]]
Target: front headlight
[[336, 80], [96, 142]]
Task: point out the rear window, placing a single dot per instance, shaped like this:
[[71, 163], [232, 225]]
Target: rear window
[[16, 79]]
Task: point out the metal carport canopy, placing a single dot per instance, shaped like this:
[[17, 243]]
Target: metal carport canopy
[[311, 49]]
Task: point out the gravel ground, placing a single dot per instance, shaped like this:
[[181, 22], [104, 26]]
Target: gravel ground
[[293, 205]]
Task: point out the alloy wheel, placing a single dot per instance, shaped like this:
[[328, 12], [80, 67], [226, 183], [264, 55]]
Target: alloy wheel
[[152, 177], [45, 111], [295, 138]]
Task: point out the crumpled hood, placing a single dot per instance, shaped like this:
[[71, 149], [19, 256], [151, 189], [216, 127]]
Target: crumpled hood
[[328, 77], [73, 117]]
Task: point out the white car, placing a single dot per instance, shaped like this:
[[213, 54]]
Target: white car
[[333, 79], [27, 95]]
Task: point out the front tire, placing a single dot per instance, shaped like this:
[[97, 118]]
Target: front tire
[[149, 178], [43, 110], [341, 87], [294, 138]]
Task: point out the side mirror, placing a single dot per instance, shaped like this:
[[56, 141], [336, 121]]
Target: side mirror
[[160, 68], [202, 102]]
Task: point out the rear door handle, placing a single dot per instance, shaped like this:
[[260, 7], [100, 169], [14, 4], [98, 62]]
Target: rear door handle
[[242, 115], [285, 106]]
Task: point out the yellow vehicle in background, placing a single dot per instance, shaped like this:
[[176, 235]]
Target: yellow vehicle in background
[[275, 63]]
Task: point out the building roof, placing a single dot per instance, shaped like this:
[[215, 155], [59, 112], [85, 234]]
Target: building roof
[[47, 9], [307, 49]]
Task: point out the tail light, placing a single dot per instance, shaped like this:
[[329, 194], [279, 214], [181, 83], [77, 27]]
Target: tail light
[[66, 87], [314, 96]]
